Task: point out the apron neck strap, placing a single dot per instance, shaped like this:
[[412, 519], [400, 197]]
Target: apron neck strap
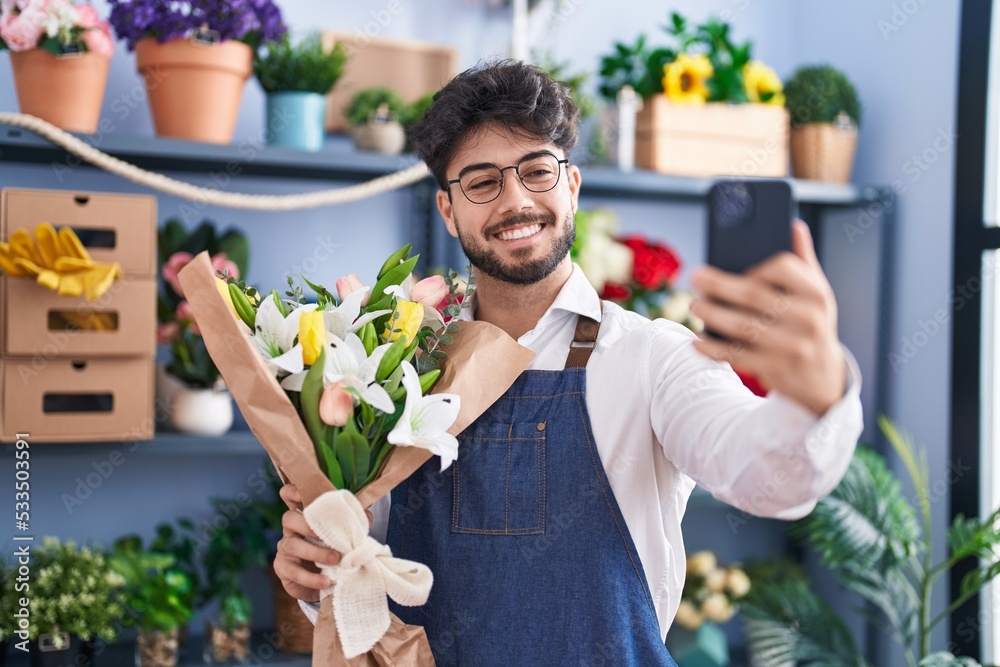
[[584, 341]]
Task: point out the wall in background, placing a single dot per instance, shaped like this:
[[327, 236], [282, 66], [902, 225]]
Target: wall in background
[[906, 79]]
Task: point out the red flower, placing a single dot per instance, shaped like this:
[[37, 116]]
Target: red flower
[[615, 292], [449, 300], [751, 382], [655, 266]]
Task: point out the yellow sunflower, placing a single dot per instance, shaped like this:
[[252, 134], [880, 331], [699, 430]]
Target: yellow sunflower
[[684, 80], [762, 85]]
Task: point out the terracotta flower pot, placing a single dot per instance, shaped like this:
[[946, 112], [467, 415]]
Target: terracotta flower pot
[[194, 89], [67, 91]]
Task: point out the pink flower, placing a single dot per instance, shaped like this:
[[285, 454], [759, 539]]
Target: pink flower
[[96, 35], [167, 332], [23, 31], [221, 262], [348, 285], [429, 291], [174, 264], [336, 405], [185, 315]]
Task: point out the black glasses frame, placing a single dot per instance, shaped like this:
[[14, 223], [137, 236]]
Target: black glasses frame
[[516, 168]]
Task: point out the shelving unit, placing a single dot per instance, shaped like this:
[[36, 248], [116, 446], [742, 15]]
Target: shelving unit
[[338, 163]]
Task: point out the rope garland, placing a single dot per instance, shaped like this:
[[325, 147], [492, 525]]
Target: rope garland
[[197, 193]]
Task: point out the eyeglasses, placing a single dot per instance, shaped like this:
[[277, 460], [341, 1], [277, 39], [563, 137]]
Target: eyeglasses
[[482, 183]]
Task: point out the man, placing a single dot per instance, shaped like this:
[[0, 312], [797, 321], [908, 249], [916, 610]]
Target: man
[[555, 539]]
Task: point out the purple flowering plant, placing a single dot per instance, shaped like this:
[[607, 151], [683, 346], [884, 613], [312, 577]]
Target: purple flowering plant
[[251, 21]]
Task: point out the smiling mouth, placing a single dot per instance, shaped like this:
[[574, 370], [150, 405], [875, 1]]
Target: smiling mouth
[[522, 232]]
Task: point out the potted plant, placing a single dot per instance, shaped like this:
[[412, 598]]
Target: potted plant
[[196, 398], [710, 597], [195, 58], [227, 553], [179, 543], [875, 543], [709, 108], [60, 54], [296, 79], [375, 116], [825, 114], [156, 594], [75, 598]]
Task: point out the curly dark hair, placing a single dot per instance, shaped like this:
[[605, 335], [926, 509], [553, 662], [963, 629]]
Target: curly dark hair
[[517, 97]]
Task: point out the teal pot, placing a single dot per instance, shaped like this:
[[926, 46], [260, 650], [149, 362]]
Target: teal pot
[[704, 647], [296, 120]]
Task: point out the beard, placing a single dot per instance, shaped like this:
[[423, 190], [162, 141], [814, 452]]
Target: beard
[[488, 262]]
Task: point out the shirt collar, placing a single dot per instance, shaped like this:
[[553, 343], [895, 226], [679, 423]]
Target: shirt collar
[[577, 297]]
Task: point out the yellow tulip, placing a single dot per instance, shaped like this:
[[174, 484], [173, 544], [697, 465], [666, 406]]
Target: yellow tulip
[[405, 321], [685, 79], [223, 288], [312, 336], [762, 85]]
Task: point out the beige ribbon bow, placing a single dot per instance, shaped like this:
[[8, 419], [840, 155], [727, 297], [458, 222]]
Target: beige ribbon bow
[[366, 574]]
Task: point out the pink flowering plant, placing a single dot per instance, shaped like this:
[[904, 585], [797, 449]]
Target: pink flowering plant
[[359, 363], [60, 27], [230, 251]]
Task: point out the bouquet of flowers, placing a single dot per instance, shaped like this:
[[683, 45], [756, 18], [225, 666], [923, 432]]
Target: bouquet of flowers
[[710, 592], [349, 396], [250, 21], [349, 366], [57, 26]]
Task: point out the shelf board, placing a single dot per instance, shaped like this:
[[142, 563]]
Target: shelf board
[[340, 161], [235, 442]]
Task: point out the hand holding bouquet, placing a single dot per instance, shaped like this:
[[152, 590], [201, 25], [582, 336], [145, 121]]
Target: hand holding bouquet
[[339, 394]]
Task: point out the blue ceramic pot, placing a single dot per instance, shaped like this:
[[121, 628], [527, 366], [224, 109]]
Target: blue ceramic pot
[[296, 120]]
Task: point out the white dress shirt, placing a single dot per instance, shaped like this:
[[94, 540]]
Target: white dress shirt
[[665, 417]]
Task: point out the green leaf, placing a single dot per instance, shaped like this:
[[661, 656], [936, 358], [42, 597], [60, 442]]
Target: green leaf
[[394, 276], [394, 260], [237, 248], [353, 454], [312, 389], [333, 472]]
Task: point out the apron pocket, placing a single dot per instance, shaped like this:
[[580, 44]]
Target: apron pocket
[[500, 480]]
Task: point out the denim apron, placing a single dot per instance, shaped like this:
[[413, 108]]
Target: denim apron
[[533, 563]]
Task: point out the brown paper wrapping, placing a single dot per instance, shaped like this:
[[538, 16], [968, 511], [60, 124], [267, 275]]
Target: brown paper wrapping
[[482, 364]]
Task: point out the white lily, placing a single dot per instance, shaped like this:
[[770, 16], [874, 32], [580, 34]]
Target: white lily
[[346, 362], [426, 419], [343, 319], [275, 335]]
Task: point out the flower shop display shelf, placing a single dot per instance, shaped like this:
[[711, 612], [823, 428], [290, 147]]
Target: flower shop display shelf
[[339, 161], [235, 442]]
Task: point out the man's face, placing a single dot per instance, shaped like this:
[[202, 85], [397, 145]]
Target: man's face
[[521, 236]]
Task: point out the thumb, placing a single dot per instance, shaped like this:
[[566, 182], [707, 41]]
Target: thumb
[[802, 243]]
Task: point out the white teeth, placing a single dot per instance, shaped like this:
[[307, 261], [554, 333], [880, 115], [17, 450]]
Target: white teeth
[[520, 232]]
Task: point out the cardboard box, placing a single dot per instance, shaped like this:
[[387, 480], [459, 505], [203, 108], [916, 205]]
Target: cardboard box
[[410, 68], [712, 140], [113, 227], [66, 400], [40, 322]]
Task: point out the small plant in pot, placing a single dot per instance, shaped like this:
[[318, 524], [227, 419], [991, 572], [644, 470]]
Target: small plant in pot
[[9, 603], [296, 78], [193, 389], [158, 596], [224, 557], [376, 116], [75, 600], [825, 114]]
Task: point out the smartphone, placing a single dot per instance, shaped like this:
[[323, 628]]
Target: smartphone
[[749, 220]]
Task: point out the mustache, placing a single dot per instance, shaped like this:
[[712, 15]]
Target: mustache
[[519, 221]]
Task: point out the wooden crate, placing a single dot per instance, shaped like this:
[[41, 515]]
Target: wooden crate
[[410, 68], [712, 140]]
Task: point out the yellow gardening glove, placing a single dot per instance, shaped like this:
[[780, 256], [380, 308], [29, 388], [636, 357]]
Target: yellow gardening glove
[[57, 260]]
